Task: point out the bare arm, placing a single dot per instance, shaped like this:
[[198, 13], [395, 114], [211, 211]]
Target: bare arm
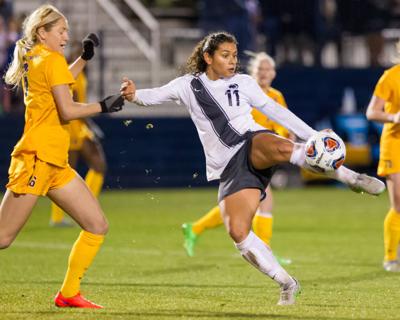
[[77, 66], [68, 109], [376, 112]]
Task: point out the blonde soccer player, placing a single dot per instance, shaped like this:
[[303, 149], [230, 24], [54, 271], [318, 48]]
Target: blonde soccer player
[[239, 152], [84, 143], [385, 107], [262, 68], [39, 161]]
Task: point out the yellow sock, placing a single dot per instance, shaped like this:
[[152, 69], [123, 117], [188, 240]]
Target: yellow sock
[[262, 226], [57, 214], [210, 220], [82, 254], [94, 180], [391, 234]]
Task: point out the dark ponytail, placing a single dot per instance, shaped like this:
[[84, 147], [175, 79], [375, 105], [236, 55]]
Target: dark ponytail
[[195, 63]]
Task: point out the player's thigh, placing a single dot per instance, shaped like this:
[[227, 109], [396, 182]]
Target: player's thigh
[[93, 154], [393, 185], [15, 210], [268, 150], [76, 199], [238, 210]]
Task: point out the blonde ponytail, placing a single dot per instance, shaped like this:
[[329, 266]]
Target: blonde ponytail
[[16, 70], [45, 16]]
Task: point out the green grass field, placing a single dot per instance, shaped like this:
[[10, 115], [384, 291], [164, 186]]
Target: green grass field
[[333, 236]]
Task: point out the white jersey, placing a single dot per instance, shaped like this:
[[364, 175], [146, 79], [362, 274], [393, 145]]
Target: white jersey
[[221, 112]]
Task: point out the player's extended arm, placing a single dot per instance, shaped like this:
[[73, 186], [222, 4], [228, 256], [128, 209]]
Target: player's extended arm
[[287, 119], [69, 110], [149, 97], [376, 111]]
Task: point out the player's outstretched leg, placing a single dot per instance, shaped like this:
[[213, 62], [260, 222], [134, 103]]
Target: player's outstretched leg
[[258, 254], [357, 182], [289, 293], [368, 184]]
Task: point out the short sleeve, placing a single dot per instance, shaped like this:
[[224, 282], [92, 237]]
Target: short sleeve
[[384, 87], [281, 100], [57, 71]]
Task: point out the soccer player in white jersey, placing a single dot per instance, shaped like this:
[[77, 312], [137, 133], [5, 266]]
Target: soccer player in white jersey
[[239, 152]]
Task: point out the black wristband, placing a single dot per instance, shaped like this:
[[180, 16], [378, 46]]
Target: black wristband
[[112, 103], [103, 106]]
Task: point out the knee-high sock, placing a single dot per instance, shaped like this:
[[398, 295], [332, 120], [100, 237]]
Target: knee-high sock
[[258, 254], [94, 180], [82, 254], [262, 226], [57, 214], [391, 234], [342, 174], [210, 220]]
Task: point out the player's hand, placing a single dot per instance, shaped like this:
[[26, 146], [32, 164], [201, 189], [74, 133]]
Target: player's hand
[[112, 103], [128, 89], [88, 44], [396, 117]]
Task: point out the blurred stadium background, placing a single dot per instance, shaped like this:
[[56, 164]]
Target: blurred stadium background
[[330, 54]]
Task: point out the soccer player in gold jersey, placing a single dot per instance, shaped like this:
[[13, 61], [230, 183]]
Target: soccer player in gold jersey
[[262, 68], [84, 142], [385, 107], [39, 162]]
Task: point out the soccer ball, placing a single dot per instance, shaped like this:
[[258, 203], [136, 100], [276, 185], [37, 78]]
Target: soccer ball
[[325, 151]]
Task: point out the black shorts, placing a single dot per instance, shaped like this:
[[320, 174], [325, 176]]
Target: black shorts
[[240, 174]]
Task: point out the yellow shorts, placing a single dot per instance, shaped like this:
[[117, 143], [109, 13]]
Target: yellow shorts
[[28, 174], [389, 159], [79, 131]]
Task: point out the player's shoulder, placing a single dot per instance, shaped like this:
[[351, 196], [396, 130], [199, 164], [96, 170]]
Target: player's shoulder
[[393, 71], [242, 77], [56, 57], [181, 82], [244, 81], [275, 92]]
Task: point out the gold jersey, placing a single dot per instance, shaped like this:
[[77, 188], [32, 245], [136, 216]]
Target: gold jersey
[[263, 120], [45, 134], [388, 89]]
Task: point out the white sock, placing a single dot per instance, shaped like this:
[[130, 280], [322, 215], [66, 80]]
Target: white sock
[[264, 214], [257, 253], [342, 174], [298, 156]]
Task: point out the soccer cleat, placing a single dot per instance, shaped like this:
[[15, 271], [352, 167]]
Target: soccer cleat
[[76, 301], [289, 293], [391, 266], [283, 261], [190, 239], [367, 184]]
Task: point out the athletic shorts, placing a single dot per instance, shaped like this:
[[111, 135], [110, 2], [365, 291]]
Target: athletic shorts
[[389, 158], [79, 132], [28, 174], [240, 174]]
